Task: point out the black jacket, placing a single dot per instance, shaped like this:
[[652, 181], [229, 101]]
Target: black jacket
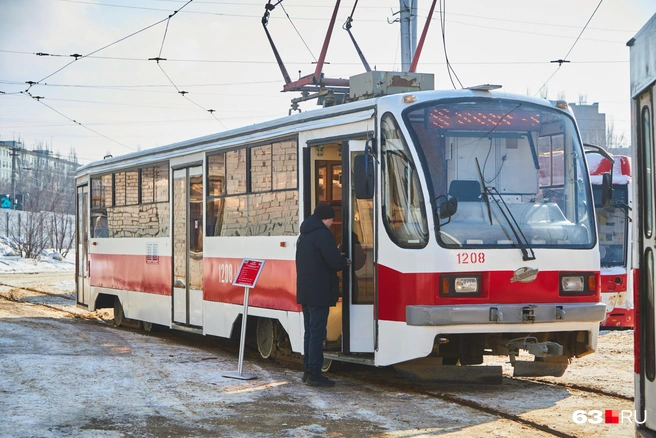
[[317, 262]]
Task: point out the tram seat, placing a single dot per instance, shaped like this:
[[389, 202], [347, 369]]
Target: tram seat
[[465, 190]]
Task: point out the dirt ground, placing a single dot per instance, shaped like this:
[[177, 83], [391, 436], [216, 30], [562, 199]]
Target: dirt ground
[[74, 374]]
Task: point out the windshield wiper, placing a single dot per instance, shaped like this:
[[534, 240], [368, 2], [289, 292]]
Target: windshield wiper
[[492, 192]]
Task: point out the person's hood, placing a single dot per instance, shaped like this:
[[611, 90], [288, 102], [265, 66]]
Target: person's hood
[[311, 224]]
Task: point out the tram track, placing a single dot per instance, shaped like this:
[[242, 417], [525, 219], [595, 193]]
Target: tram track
[[447, 393], [582, 388], [12, 295], [498, 401]]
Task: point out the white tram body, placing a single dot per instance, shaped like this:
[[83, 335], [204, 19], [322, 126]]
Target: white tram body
[[643, 123], [615, 239], [479, 235]]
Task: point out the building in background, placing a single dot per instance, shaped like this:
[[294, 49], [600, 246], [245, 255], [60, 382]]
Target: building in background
[[38, 174], [592, 123]]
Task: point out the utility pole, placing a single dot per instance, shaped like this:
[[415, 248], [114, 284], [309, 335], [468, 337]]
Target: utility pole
[[408, 23]]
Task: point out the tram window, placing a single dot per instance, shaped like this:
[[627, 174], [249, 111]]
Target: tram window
[[154, 184], [131, 187], [269, 207], [147, 185], [551, 150], [650, 339], [214, 220], [322, 193], [260, 168], [236, 172], [107, 188], [161, 183], [284, 165], [100, 192], [119, 188], [216, 177], [405, 213], [647, 172]]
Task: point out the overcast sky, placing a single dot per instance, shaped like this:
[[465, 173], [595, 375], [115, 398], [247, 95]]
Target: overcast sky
[[116, 101]]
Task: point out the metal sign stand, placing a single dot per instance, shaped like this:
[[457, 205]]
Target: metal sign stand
[[247, 276]]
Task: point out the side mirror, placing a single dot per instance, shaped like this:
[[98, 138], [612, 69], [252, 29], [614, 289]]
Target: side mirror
[[606, 189], [363, 176], [448, 208]]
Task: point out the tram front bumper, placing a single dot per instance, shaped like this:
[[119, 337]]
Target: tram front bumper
[[504, 313]]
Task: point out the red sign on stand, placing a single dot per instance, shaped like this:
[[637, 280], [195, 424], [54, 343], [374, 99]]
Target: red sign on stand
[[248, 273]]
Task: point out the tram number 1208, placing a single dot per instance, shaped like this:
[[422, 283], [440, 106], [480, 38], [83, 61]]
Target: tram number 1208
[[466, 258], [226, 273]]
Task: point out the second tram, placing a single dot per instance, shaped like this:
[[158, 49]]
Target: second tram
[[615, 239], [474, 209]]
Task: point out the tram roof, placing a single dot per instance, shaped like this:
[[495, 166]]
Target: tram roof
[[643, 57], [286, 126]]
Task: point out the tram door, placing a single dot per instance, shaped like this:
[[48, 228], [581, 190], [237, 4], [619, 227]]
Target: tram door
[[358, 218], [352, 320], [188, 246], [646, 236], [82, 268]]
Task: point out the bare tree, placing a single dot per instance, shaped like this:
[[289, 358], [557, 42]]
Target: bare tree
[[613, 139], [47, 189], [62, 224], [28, 232]]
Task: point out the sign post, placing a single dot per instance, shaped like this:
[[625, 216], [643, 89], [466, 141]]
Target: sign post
[[247, 276]]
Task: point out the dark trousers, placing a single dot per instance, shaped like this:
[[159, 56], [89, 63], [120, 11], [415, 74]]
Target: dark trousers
[[315, 320]]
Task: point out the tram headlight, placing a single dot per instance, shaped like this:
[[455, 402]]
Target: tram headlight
[[457, 285], [577, 283], [466, 285]]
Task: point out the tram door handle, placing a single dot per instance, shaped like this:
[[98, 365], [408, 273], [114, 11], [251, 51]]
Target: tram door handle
[[179, 284]]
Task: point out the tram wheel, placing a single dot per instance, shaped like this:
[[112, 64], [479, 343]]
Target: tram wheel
[[119, 316], [450, 361], [147, 326], [266, 337], [327, 364]]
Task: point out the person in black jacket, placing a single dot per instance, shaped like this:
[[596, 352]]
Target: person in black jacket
[[317, 287]]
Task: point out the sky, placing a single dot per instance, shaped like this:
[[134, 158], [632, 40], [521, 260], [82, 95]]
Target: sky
[[115, 99]]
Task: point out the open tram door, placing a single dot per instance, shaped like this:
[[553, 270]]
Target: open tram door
[[351, 324], [359, 316]]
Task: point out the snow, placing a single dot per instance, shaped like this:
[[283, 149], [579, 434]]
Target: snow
[[49, 261]]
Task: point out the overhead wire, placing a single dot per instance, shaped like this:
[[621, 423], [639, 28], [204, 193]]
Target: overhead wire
[[77, 58], [297, 32], [82, 125], [449, 67], [181, 92], [563, 60]]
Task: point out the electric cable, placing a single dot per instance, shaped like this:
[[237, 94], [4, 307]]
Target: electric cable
[[563, 60]]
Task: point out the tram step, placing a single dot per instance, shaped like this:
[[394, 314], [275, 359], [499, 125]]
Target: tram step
[[539, 369], [431, 370], [362, 359]]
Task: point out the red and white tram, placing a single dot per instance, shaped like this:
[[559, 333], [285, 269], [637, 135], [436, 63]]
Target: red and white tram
[[615, 238], [643, 123], [474, 209]]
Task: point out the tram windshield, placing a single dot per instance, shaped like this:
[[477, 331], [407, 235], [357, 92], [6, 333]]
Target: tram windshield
[[516, 169]]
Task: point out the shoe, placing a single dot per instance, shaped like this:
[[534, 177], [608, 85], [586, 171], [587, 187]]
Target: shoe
[[314, 380], [305, 376]]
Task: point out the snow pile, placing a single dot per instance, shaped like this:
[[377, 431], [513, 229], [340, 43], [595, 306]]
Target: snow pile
[[48, 261]]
